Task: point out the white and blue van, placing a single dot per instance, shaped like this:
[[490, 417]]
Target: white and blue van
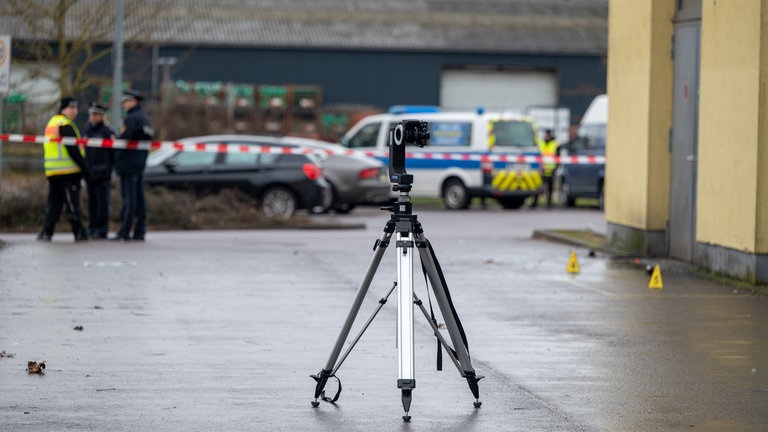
[[469, 155]]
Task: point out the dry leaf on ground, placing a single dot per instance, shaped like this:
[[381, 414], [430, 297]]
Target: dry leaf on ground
[[35, 367]]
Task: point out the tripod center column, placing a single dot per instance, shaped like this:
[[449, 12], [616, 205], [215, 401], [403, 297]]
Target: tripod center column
[[405, 342]]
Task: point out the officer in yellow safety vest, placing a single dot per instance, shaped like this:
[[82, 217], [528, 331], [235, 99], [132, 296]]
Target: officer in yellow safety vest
[[548, 148], [65, 167]]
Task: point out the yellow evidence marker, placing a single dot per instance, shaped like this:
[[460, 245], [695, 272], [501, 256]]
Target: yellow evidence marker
[[655, 281], [573, 263]]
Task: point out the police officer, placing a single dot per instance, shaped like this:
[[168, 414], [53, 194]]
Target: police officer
[[129, 165], [548, 148], [100, 161], [65, 167]]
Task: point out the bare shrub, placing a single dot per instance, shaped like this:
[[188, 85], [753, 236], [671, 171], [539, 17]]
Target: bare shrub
[[22, 204]]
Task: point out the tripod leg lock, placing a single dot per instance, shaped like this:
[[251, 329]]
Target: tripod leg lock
[[322, 378]]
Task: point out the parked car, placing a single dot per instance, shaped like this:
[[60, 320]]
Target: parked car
[[282, 182], [585, 180], [356, 179], [353, 178]]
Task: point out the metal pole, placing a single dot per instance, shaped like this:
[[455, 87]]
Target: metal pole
[[155, 55], [117, 62]]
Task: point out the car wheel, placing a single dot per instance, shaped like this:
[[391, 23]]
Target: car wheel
[[565, 194], [512, 203], [455, 195], [278, 202], [336, 205]]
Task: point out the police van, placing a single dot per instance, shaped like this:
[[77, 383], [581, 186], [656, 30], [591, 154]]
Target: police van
[[469, 155], [587, 180]]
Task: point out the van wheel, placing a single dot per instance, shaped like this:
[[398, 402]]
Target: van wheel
[[455, 195], [565, 197], [278, 202]]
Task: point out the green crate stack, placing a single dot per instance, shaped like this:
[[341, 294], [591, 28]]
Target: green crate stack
[[273, 103], [241, 99], [305, 110]]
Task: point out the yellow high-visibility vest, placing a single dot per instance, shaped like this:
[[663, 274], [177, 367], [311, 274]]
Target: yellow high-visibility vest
[[57, 159], [548, 148]]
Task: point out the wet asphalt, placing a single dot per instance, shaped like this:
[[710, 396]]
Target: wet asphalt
[[220, 330]]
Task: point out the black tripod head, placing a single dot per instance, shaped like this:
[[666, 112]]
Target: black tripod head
[[414, 132]]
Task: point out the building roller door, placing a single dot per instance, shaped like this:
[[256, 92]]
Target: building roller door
[[467, 89]]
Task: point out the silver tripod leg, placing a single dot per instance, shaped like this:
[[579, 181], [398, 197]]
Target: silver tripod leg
[[406, 379], [443, 302], [328, 370]]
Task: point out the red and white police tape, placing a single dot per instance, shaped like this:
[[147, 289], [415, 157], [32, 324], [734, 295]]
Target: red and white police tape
[[298, 149]]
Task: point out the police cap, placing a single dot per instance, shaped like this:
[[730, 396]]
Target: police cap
[[97, 108], [132, 94]]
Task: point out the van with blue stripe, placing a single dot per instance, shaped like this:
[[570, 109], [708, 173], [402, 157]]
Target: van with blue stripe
[[469, 155]]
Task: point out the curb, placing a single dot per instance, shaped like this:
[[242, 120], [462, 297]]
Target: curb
[[646, 263]]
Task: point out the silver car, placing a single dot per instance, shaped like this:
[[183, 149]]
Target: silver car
[[356, 179]]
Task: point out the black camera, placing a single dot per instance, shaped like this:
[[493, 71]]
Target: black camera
[[413, 132]]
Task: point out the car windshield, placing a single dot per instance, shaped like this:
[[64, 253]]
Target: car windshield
[[591, 136], [365, 137], [511, 133]]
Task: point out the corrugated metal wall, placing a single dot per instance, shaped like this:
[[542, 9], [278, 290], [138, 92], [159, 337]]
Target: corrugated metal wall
[[377, 78]]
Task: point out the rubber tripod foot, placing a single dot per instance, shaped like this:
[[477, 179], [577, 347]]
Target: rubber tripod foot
[[477, 404], [406, 418], [315, 404]]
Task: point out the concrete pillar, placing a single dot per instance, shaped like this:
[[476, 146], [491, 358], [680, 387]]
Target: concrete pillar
[[640, 109], [732, 206]]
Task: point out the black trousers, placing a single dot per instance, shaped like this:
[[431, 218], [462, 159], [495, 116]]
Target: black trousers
[[98, 208], [548, 183], [64, 191], [134, 207]]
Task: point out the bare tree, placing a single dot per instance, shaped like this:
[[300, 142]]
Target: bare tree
[[60, 40]]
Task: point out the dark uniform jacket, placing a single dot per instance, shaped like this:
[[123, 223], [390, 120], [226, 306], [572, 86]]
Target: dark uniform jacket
[[100, 160], [136, 128]]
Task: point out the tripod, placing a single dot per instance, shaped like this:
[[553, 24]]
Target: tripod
[[409, 235]]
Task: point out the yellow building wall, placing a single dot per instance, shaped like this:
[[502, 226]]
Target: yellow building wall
[[761, 238], [639, 113], [732, 199]]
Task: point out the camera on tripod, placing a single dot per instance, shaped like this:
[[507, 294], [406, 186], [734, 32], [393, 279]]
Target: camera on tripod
[[409, 238], [414, 132]]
